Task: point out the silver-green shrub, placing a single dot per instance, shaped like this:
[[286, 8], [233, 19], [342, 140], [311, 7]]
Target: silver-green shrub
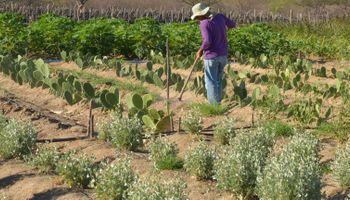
[[158, 190], [17, 139], [3, 121], [77, 171], [224, 131], [164, 154], [192, 122], [341, 166], [104, 126], [114, 181], [45, 159], [199, 161], [122, 133], [294, 174], [237, 168]]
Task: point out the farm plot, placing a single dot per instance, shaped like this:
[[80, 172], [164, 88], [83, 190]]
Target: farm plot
[[103, 127]]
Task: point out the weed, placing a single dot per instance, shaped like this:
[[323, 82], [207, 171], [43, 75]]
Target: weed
[[211, 109], [164, 154], [278, 129]]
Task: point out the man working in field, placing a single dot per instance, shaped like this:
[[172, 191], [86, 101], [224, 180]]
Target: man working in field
[[214, 47]]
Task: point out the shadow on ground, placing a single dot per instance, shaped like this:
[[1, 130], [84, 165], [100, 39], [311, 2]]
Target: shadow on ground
[[340, 196], [53, 193], [10, 180]]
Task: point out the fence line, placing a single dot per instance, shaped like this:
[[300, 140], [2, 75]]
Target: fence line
[[182, 15]]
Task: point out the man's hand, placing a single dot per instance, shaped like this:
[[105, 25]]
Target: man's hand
[[199, 53]]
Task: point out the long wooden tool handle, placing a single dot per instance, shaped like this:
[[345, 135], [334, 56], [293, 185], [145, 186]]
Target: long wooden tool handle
[[188, 78]]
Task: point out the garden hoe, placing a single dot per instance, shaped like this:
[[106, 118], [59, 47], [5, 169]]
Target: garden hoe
[[188, 78]]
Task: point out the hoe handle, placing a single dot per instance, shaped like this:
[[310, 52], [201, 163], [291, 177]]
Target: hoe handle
[[188, 78]]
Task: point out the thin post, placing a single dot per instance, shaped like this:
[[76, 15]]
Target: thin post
[[92, 126], [179, 126], [89, 121], [168, 73], [167, 69]]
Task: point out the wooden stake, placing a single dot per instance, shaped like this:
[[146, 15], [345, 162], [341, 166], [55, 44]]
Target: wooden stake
[[168, 74], [168, 69], [179, 127], [92, 126], [89, 120]]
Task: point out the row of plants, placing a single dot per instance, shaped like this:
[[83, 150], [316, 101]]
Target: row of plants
[[327, 39], [36, 73], [242, 166], [49, 35], [150, 76]]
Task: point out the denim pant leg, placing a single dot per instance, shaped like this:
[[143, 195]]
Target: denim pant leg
[[214, 69]]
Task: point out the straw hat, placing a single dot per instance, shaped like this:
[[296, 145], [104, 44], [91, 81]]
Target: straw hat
[[199, 9]]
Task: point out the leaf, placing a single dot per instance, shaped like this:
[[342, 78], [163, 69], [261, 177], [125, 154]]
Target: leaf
[[137, 101], [153, 113], [163, 124], [79, 62], [68, 97], [329, 112], [149, 122], [64, 55], [89, 91]]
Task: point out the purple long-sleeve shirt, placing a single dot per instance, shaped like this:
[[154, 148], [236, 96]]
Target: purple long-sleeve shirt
[[214, 35]]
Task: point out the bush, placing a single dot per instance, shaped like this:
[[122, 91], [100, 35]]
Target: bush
[[17, 139], [145, 35], [122, 133], [192, 123], [100, 36], [257, 39], [12, 34], [278, 129], [78, 172], [104, 126], [200, 161], [164, 154], [185, 40], [154, 189], [294, 173], [50, 35], [241, 162], [341, 166], [114, 181], [45, 159], [224, 131]]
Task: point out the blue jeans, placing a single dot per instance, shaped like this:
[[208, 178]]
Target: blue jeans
[[214, 70]]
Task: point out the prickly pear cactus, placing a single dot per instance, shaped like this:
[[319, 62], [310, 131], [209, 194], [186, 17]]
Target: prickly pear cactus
[[89, 91]]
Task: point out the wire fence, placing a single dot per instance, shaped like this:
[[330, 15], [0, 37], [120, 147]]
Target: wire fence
[[168, 16]]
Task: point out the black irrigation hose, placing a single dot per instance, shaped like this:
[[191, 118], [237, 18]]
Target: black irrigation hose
[[61, 139]]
